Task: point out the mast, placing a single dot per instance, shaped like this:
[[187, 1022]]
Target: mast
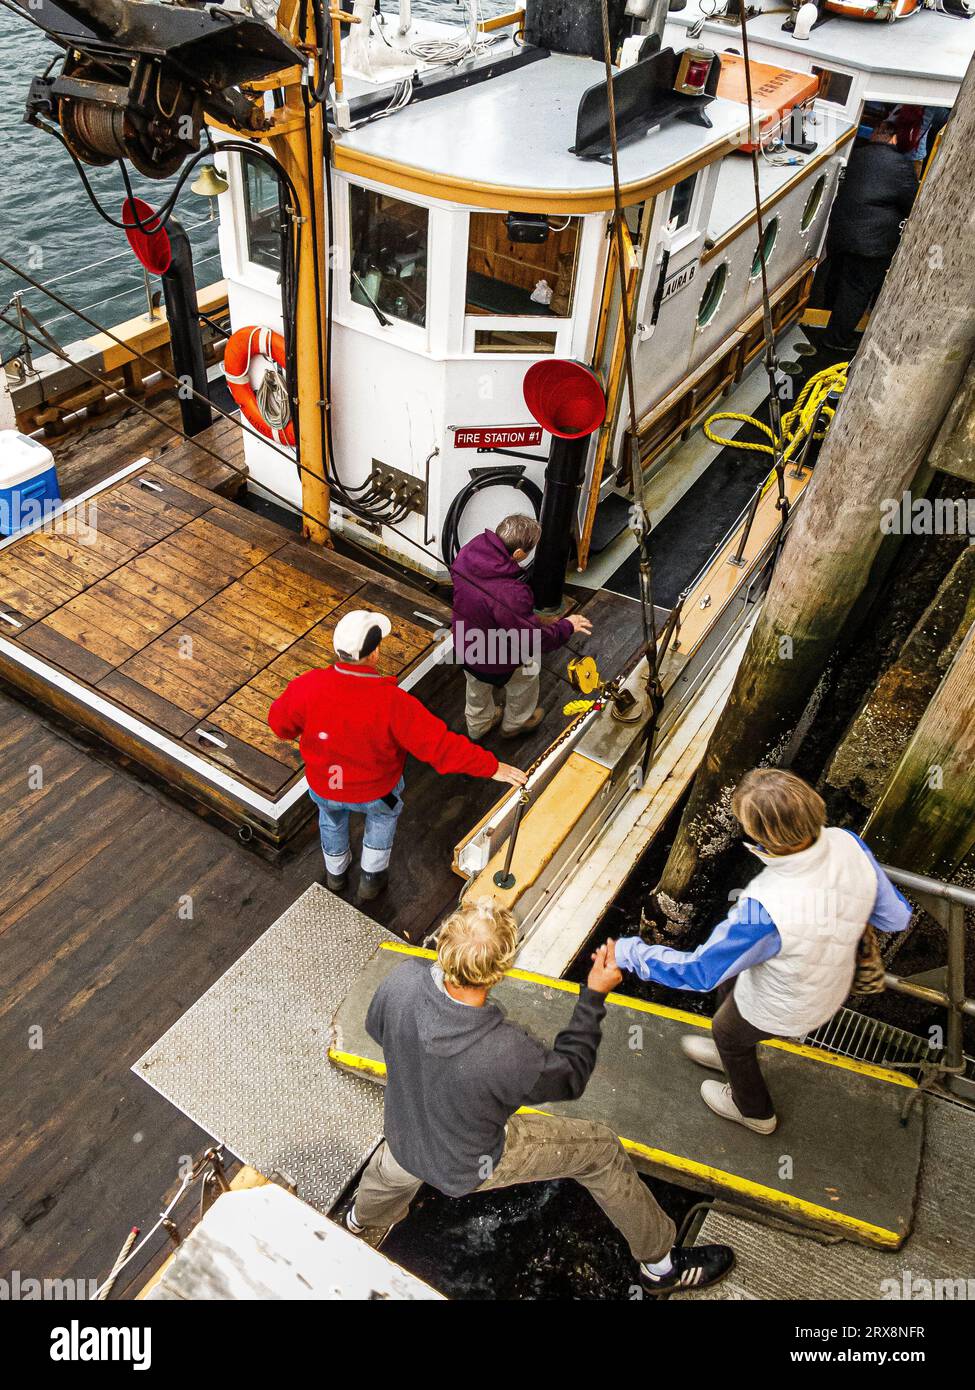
[[299, 145]]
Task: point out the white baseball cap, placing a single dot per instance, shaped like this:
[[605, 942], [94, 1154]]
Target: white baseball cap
[[352, 631]]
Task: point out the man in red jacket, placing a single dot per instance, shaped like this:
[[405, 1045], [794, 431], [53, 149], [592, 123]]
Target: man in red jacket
[[355, 728]]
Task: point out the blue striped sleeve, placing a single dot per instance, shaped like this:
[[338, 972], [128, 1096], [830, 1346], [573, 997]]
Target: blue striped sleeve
[[747, 936], [891, 910]]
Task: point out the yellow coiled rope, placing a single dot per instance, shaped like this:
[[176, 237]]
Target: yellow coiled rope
[[796, 423], [578, 706]]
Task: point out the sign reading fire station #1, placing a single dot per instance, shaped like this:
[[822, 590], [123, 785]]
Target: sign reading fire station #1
[[496, 436]]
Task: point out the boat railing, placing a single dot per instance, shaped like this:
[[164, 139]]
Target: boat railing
[[947, 904], [78, 273]]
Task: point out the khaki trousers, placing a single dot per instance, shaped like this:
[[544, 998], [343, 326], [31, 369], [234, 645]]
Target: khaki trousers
[[520, 697], [540, 1148]]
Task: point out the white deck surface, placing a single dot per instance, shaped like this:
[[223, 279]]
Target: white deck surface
[[515, 130], [925, 45]]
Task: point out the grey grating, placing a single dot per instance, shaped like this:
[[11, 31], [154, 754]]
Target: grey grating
[[248, 1062], [852, 1034]]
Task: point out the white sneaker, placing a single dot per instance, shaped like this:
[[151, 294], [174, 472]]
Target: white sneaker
[[701, 1048], [371, 1235], [717, 1097]]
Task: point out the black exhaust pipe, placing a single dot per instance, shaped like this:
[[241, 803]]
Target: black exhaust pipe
[[183, 312], [567, 400]]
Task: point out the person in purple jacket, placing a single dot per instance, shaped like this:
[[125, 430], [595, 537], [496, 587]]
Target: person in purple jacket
[[498, 638]]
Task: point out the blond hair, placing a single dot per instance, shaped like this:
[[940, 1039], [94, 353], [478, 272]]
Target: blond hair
[[477, 944], [778, 810]]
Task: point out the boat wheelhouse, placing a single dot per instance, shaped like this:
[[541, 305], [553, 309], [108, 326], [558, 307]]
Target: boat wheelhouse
[[469, 237]]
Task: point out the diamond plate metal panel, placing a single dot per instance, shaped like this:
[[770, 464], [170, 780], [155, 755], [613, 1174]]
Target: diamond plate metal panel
[[248, 1062]]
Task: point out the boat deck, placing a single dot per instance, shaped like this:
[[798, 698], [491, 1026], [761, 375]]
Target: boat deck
[[164, 617]]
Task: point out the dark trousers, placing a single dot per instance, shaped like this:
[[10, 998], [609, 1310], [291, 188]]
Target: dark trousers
[[854, 283], [737, 1041]]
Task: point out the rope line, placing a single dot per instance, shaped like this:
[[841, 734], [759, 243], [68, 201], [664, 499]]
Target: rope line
[[811, 412]]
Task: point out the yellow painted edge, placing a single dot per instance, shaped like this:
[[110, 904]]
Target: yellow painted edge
[[878, 1235], [813, 1054], [504, 21], [452, 188], [349, 1059]]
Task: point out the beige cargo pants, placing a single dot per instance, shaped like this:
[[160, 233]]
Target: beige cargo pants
[[540, 1148]]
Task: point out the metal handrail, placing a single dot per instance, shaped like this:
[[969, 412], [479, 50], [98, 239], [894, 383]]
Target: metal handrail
[[946, 902], [934, 887]]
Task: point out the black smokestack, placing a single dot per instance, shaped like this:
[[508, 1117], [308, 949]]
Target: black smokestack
[[573, 26]]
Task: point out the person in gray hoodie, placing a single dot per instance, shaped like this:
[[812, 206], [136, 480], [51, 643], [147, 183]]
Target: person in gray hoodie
[[457, 1073]]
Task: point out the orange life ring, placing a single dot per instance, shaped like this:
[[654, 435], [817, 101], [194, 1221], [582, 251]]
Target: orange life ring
[[245, 344]]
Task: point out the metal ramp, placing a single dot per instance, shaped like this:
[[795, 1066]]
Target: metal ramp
[[934, 1262], [247, 1061], [840, 1160]]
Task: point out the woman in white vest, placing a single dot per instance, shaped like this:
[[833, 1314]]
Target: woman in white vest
[[789, 943]]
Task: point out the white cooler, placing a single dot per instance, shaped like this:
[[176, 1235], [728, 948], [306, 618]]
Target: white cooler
[[28, 481]]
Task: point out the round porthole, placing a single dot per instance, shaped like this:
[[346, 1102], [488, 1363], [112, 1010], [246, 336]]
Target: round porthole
[[813, 203], [711, 297], [764, 252]]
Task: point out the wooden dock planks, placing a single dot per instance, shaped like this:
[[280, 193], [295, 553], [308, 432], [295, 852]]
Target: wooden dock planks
[[177, 606]]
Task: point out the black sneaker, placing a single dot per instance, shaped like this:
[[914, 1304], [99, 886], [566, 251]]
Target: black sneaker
[[335, 883], [371, 885], [694, 1267]]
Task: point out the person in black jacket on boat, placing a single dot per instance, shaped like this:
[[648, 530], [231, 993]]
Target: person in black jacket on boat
[[871, 207], [458, 1075]]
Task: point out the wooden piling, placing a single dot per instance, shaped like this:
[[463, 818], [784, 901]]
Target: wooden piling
[[910, 366], [925, 819]]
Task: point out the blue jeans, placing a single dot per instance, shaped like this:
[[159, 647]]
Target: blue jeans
[[377, 838]]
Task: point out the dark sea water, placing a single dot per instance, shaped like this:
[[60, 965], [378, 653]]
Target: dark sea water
[[50, 229]]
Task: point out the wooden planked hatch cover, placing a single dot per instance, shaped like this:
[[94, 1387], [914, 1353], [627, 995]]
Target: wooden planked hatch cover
[[166, 618]]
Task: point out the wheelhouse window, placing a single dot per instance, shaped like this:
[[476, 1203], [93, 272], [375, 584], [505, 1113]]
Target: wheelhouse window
[[681, 203], [513, 340], [262, 213], [389, 255], [521, 265]]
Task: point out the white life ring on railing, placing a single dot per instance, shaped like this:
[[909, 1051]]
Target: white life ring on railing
[[243, 346]]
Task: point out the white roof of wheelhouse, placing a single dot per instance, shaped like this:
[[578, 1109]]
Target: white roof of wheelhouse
[[497, 142], [924, 45]]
